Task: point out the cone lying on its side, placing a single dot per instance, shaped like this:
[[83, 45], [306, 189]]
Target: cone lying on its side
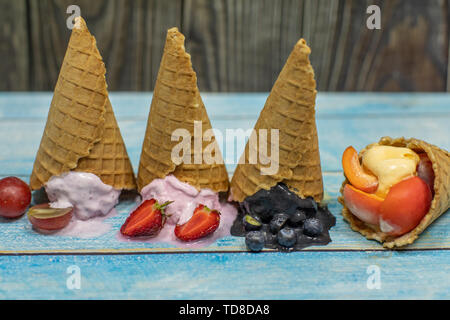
[[176, 105], [290, 108], [439, 205], [81, 133]]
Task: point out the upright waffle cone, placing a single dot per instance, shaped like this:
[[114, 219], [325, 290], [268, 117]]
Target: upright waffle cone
[[290, 108], [176, 105], [439, 205], [81, 133]]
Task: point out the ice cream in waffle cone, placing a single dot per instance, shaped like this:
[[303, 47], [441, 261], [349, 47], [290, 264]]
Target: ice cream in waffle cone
[[177, 105], [440, 203], [193, 177], [81, 133], [284, 205], [82, 161], [290, 108]]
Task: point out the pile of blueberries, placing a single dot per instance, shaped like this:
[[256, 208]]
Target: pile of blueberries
[[279, 219]]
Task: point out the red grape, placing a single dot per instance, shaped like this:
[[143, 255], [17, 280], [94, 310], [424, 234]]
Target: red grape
[[15, 197], [43, 217]]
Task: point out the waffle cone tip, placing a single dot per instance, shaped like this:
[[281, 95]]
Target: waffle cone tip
[[80, 24], [290, 108]]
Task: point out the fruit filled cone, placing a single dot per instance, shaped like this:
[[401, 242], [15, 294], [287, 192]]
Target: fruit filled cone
[[290, 108], [440, 203], [177, 104], [81, 133]]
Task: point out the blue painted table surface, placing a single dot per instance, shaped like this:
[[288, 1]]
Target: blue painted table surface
[[36, 266]]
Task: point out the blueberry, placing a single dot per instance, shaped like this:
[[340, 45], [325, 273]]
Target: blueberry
[[287, 237], [297, 218], [269, 237], [251, 223], [260, 194], [278, 222], [265, 227], [265, 216], [282, 198], [312, 227], [293, 207], [262, 197], [255, 240], [260, 205], [307, 203], [299, 231]]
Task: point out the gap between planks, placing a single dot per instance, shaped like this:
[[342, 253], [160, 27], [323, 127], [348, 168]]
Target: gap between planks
[[109, 252]]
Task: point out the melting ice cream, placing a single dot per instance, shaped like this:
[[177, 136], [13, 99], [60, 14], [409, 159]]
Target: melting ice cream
[[186, 198], [85, 192], [390, 165]]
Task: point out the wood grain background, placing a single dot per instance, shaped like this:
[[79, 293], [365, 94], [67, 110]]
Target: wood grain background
[[236, 45]]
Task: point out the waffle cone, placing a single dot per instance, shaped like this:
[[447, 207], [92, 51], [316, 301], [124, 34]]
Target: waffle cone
[[81, 133], [177, 104], [439, 205], [290, 108]]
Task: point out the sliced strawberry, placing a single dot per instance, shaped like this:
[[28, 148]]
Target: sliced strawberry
[[147, 220], [203, 222]]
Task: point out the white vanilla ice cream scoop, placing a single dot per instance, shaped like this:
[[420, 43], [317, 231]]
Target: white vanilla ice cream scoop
[[390, 165], [83, 191]]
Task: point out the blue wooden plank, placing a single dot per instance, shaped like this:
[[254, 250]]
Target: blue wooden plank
[[343, 119], [18, 237], [335, 133], [334, 136], [301, 275], [136, 105]]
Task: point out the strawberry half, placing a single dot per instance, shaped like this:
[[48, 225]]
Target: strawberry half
[[203, 222], [147, 220]]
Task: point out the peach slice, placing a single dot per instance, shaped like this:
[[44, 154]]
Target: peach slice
[[405, 205], [364, 205], [355, 173]]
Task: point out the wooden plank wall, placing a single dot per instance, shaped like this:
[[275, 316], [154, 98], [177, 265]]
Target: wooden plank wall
[[236, 45]]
